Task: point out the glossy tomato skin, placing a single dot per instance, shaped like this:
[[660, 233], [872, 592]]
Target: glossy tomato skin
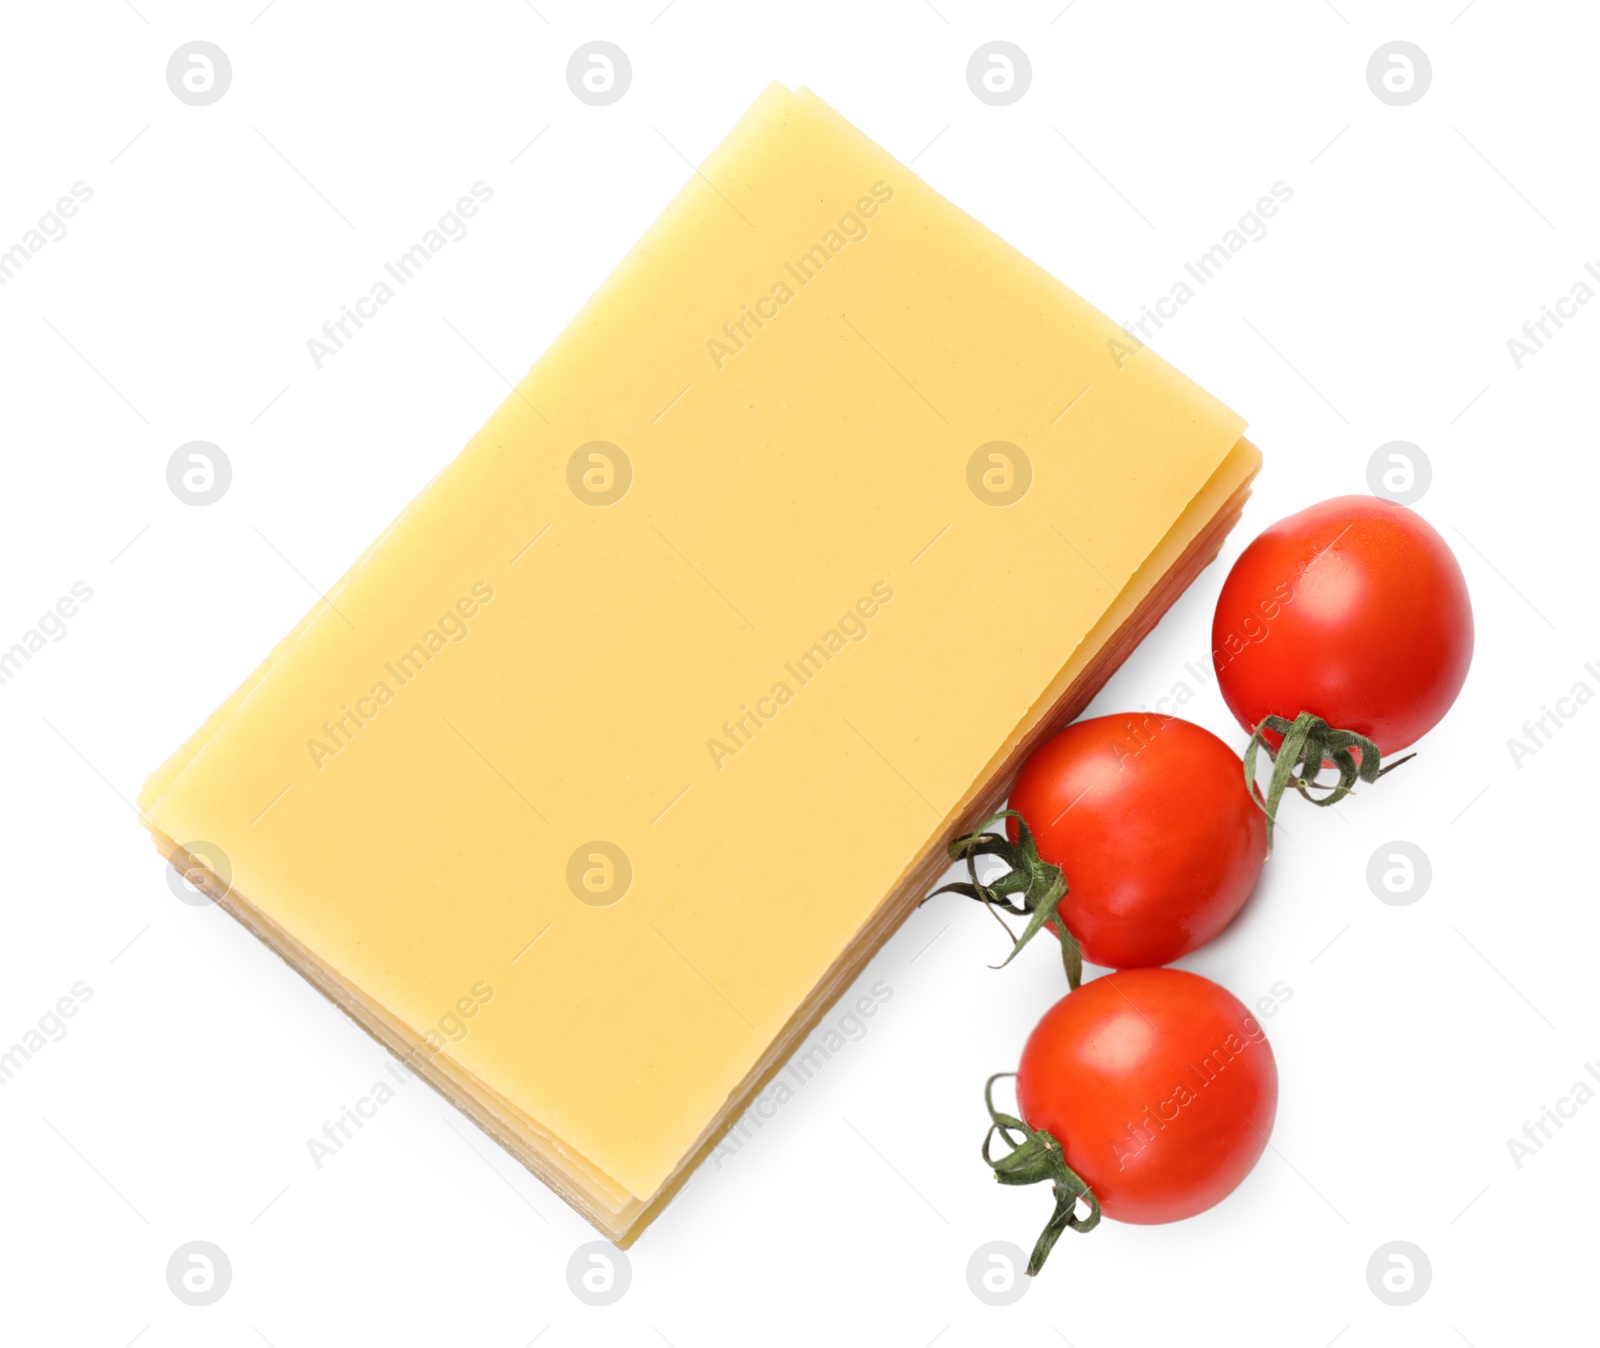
[[1354, 610], [1160, 1086], [1149, 819]]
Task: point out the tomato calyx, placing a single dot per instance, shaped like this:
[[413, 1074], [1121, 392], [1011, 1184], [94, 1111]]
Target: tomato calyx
[[1305, 745], [1030, 887], [1037, 1155]]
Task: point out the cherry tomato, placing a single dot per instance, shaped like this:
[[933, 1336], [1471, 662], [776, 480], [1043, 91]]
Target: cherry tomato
[[1159, 1085], [1354, 610], [1150, 820]]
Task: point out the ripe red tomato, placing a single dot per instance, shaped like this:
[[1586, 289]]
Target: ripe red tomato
[[1159, 1085], [1149, 818], [1354, 610]]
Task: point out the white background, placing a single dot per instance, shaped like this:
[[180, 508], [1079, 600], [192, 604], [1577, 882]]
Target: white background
[[1417, 1039]]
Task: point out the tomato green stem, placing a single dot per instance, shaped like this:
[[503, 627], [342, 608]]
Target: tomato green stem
[[1036, 1155], [1038, 886], [1305, 745]]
